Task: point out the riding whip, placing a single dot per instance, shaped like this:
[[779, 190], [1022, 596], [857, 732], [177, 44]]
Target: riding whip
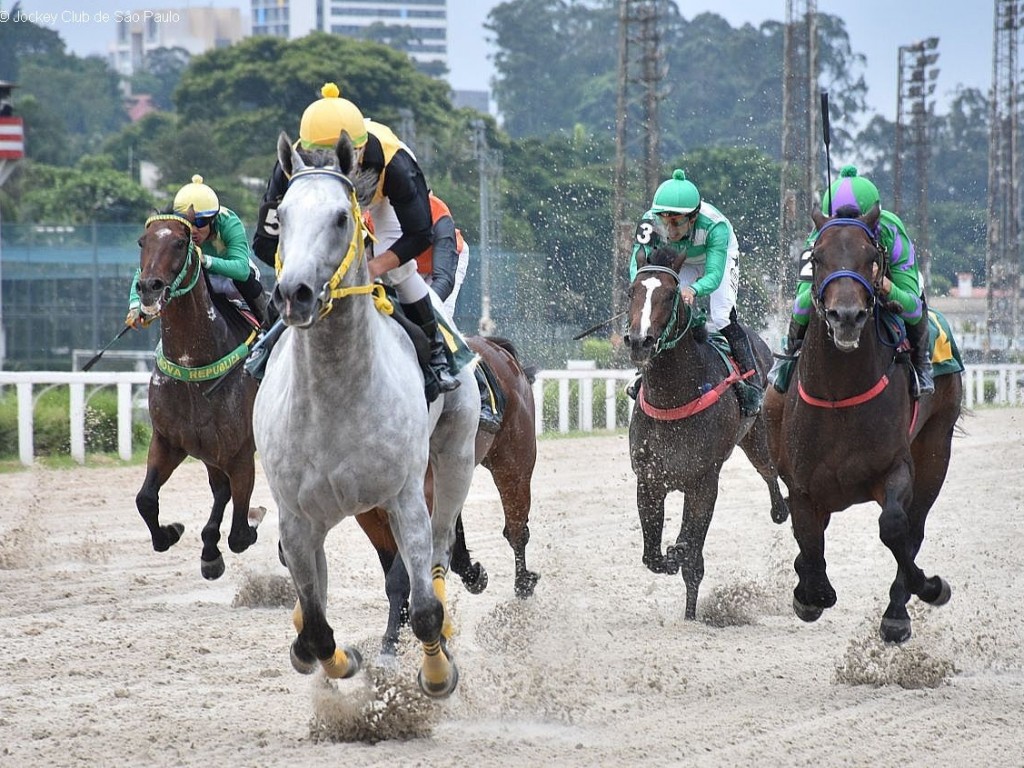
[[598, 327], [826, 131], [96, 358]]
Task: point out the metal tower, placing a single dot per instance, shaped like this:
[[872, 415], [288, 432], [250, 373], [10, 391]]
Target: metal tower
[[1003, 252], [800, 140], [641, 62]]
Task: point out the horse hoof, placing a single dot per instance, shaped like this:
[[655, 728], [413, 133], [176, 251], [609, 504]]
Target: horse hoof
[[945, 593], [477, 582], [171, 535], [808, 613], [526, 583], [440, 690], [354, 662], [300, 665], [780, 514], [256, 515], [894, 630], [212, 569]]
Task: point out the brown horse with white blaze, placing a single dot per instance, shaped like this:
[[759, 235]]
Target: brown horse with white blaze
[[848, 431]]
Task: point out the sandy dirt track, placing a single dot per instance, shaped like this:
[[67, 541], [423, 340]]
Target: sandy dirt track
[[113, 654]]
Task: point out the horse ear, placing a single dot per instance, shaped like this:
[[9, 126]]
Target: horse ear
[[819, 219], [346, 153], [287, 156], [871, 217]]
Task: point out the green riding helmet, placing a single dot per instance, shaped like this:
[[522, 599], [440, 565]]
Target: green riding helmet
[[850, 190], [676, 195]]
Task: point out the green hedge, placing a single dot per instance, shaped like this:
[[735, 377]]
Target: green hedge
[[52, 423], [623, 405]]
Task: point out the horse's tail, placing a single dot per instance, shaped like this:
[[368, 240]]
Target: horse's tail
[[530, 371]]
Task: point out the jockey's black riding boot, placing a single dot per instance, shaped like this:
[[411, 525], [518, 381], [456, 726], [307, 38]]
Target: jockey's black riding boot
[[781, 370], [490, 420], [921, 353], [749, 391], [258, 301], [422, 313]]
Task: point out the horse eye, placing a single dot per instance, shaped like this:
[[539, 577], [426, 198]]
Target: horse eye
[[342, 219], [140, 241]]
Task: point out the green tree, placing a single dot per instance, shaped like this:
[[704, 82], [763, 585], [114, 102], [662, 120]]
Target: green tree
[[24, 39], [160, 74], [91, 192], [76, 101]]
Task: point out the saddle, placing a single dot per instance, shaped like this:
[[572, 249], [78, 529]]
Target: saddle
[[945, 353]]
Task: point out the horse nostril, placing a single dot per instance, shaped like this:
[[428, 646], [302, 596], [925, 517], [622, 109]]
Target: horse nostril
[[648, 341]]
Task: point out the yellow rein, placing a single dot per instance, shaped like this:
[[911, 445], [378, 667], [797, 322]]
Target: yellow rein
[[356, 250]]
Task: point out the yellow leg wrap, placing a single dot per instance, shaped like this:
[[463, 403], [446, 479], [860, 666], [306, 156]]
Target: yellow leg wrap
[[337, 666], [441, 592], [297, 616], [436, 668]]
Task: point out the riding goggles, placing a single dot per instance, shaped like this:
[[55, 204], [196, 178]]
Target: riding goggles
[[202, 221]]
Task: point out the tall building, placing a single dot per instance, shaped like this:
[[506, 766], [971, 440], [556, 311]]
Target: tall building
[[195, 29], [418, 27]]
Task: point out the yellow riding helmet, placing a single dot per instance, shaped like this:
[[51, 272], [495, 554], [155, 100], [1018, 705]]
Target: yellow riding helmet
[[325, 119], [202, 199]]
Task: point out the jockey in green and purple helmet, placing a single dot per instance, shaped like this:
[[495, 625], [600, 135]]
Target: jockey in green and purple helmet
[[851, 196]]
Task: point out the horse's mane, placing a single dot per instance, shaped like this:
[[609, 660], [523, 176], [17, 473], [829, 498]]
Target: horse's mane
[[364, 181]]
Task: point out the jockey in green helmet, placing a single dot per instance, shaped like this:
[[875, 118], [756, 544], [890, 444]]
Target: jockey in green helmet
[[680, 219], [220, 235]]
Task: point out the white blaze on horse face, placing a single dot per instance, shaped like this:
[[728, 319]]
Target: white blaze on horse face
[[651, 284]]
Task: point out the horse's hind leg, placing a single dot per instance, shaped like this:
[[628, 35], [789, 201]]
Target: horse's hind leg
[[242, 476], [755, 445], [211, 561], [473, 575], [163, 459], [513, 483]]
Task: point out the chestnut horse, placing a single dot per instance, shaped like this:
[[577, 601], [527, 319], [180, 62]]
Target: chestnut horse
[[510, 456], [686, 420], [847, 430], [201, 339]]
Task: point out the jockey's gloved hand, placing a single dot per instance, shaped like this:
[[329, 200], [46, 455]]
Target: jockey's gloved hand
[[136, 319]]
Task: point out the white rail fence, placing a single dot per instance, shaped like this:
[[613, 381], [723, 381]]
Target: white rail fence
[[581, 400]]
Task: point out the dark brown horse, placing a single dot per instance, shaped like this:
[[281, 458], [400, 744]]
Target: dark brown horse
[[847, 430], [510, 456], [200, 339], [686, 420]]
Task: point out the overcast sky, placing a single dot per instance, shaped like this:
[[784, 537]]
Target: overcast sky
[[877, 28]]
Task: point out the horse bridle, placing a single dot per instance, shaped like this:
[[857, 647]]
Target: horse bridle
[[664, 342], [818, 290], [173, 290], [332, 289]]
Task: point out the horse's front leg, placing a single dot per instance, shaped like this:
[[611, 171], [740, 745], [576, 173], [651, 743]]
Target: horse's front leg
[[302, 544], [650, 504], [688, 551], [161, 462], [903, 534], [813, 592], [411, 526]]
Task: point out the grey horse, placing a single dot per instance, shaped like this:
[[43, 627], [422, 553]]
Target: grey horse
[[342, 425]]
